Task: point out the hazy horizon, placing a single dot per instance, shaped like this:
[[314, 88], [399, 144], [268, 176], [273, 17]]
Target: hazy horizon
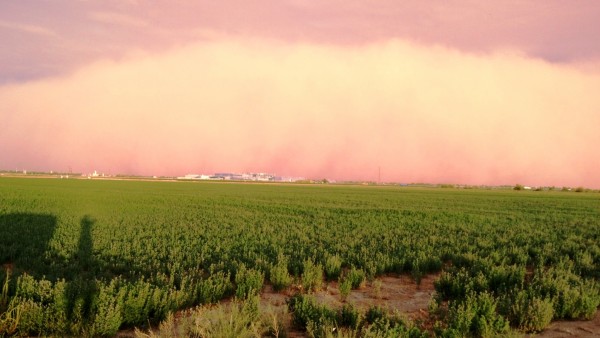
[[467, 93]]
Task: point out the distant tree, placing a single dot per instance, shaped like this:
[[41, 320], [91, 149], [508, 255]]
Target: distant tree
[[518, 187], [579, 189]]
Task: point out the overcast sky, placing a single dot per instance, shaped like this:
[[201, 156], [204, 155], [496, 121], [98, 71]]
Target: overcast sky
[[475, 92]]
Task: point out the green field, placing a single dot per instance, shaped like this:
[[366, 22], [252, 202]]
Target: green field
[[88, 257]]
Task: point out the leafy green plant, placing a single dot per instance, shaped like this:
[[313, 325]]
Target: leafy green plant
[[345, 288], [375, 313], [356, 277], [529, 313], [213, 288], [572, 296], [349, 316], [476, 315], [248, 282], [312, 276], [279, 275], [107, 308], [377, 284], [305, 312], [333, 267]]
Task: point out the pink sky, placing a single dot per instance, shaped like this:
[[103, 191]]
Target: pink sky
[[453, 91]]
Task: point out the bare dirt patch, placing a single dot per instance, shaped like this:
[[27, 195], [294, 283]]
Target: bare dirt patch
[[573, 328], [395, 293]]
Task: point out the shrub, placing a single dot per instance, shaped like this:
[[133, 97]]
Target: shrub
[[312, 276], [356, 277], [505, 278], [214, 288], [248, 282], [333, 267], [530, 313], [349, 316], [390, 328], [417, 275], [375, 313], [476, 316], [238, 319], [43, 307], [250, 307], [108, 316], [135, 305], [377, 288], [345, 288], [589, 299], [456, 283], [305, 311], [37, 290], [572, 296], [580, 301], [279, 275], [31, 317]]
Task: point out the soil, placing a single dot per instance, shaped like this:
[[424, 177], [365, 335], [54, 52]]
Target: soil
[[573, 328], [399, 294], [396, 293]]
